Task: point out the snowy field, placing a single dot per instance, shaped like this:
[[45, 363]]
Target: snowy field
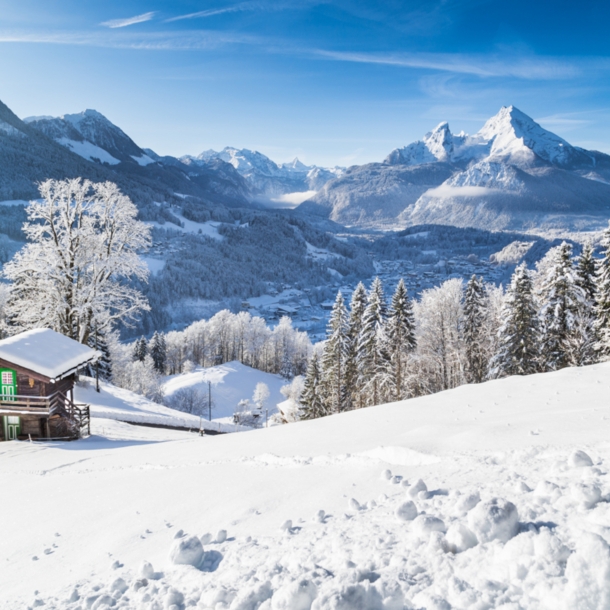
[[489, 496], [231, 382]]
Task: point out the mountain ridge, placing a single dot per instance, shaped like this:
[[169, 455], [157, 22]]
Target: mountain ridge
[[511, 174]]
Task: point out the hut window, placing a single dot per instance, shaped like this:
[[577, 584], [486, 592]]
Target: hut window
[[30, 382]]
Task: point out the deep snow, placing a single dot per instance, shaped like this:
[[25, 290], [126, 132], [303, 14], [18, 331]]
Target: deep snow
[[488, 496]]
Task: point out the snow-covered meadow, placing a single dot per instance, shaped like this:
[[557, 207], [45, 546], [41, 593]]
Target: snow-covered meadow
[[488, 496]]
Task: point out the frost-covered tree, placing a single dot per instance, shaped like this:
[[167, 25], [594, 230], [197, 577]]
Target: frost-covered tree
[[290, 410], [158, 351], [518, 337], [400, 339], [83, 247], [358, 303], [439, 361], [312, 397], [583, 343], [261, 395], [602, 308], [586, 272], [140, 349], [372, 344], [474, 330], [561, 300], [333, 356]]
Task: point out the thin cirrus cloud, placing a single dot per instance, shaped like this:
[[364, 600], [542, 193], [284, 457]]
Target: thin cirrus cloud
[[245, 6], [123, 23], [484, 66]]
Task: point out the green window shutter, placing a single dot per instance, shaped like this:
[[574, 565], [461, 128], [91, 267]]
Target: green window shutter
[[8, 384]]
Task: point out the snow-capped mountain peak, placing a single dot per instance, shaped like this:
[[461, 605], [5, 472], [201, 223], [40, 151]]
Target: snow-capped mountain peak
[[440, 142], [510, 136], [517, 138]]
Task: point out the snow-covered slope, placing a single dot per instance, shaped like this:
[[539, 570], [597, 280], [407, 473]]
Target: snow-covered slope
[[511, 174], [268, 178], [230, 383], [125, 406], [487, 496], [92, 136]]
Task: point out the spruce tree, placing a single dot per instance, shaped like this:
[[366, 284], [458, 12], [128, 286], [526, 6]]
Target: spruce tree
[[158, 351], [475, 311], [400, 336], [586, 272], [333, 356], [103, 367], [519, 335], [561, 300], [354, 326], [312, 397], [583, 351], [372, 355], [602, 307], [140, 349]]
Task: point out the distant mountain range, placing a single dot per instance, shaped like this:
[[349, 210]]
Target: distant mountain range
[[268, 178], [512, 174]]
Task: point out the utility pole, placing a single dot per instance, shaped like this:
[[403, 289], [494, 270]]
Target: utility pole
[[266, 418], [97, 364], [210, 400]]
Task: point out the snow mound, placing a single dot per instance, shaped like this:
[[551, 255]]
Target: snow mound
[[579, 459], [187, 551], [496, 519], [400, 456]]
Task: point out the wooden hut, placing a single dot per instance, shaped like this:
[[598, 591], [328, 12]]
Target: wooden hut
[[38, 369]]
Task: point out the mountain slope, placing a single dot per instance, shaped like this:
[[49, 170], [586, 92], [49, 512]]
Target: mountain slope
[[108, 151], [486, 496], [375, 193]]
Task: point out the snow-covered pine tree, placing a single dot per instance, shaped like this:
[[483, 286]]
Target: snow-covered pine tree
[[583, 349], [312, 398], [400, 333], [602, 307], [518, 336], [586, 272], [333, 356], [354, 326], [104, 365], [561, 301], [372, 354], [158, 351], [475, 306], [140, 349]]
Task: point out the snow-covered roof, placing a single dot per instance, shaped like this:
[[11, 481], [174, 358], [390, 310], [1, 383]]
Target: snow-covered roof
[[46, 352]]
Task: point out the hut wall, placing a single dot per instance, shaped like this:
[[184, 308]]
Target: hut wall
[[30, 424]]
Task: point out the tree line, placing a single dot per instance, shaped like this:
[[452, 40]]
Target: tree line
[[554, 316]]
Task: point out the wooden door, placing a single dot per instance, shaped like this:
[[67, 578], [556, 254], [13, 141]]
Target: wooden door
[[12, 427]]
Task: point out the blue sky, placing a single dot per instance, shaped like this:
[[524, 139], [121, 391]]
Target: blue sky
[[332, 82]]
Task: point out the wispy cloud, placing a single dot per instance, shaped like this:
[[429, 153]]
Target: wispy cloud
[[123, 23], [244, 6], [250, 5], [477, 65], [153, 41]]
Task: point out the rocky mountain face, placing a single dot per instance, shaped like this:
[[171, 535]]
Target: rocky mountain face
[[511, 174], [89, 145], [267, 178]]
